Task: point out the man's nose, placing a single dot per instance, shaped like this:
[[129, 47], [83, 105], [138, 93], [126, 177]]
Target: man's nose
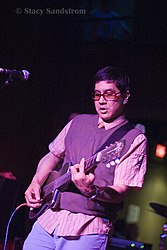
[[102, 99]]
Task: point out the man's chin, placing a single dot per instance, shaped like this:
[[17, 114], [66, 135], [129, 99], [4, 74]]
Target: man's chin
[[105, 118]]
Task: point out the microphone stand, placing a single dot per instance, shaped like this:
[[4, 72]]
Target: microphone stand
[[163, 238], [7, 82]]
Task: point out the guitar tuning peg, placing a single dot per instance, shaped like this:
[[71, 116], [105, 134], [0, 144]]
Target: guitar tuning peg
[[108, 165], [117, 161], [112, 163]]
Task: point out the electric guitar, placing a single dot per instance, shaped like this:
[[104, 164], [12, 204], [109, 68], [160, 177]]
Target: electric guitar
[[58, 181]]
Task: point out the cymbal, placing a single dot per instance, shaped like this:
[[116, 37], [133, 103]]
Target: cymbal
[[159, 209]]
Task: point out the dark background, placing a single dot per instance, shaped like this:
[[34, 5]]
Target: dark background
[[62, 63]]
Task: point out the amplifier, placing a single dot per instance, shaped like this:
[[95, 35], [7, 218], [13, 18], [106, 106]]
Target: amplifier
[[117, 244]]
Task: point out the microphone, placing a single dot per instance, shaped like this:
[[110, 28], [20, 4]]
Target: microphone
[[12, 73]]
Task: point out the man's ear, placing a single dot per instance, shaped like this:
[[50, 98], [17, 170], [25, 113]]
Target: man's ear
[[127, 97]]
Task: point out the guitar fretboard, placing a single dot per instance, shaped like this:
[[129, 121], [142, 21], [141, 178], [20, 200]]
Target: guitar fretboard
[[66, 178]]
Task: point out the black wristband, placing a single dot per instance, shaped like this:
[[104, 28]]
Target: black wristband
[[102, 195], [97, 195]]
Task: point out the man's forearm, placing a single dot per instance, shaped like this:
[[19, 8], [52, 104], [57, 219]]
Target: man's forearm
[[45, 166], [113, 194]]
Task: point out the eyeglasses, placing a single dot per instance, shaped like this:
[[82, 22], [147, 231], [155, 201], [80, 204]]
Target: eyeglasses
[[108, 95]]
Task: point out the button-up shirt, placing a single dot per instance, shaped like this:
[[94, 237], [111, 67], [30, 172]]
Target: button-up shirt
[[130, 172]]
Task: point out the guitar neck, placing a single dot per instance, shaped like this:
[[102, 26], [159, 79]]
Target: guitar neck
[[90, 162]]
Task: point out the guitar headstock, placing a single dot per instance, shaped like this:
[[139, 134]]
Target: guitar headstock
[[111, 153]]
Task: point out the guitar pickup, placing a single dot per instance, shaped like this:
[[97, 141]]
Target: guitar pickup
[[55, 199]]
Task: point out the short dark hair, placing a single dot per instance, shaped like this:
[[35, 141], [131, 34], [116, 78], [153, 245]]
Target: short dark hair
[[114, 74]]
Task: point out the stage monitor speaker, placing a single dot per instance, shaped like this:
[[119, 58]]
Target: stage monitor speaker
[[117, 244]]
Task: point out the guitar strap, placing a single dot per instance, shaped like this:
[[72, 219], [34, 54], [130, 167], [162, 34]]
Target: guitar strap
[[126, 131]]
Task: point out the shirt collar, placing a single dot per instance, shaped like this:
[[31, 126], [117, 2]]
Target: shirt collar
[[118, 121]]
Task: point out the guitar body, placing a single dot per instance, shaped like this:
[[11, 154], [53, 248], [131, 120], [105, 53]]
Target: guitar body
[[49, 193]]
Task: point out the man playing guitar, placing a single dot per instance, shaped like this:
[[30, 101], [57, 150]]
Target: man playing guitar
[[83, 208]]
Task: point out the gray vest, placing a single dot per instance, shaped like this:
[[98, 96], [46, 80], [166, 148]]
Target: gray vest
[[84, 139]]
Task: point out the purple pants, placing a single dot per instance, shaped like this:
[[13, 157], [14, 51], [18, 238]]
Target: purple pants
[[39, 239]]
